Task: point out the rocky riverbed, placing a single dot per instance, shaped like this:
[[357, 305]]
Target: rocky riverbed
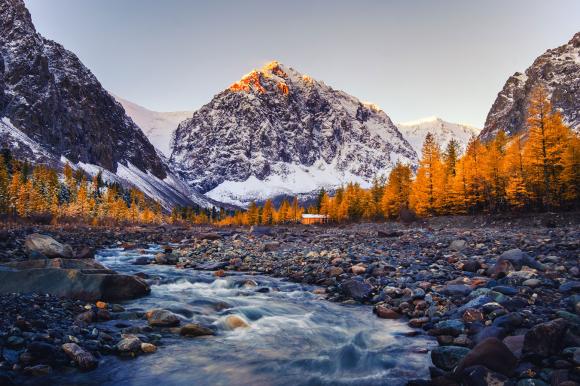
[[500, 296]]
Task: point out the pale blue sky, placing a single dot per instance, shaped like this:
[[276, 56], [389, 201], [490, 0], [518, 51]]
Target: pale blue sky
[[412, 58]]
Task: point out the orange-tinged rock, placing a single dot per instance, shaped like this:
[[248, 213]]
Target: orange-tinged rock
[[219, 273], [234, 321], [358, 269], [386, 313], [283, 87], [101, 305]]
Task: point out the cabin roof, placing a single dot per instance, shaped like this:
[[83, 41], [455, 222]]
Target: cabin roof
[[308, 215]]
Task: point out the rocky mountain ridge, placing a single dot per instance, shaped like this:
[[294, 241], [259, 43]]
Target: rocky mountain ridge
[[277, 131], [558, 70], [54, 110]]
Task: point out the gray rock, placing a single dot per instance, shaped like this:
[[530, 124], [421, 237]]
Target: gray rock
[[162, 318], [73, 283], [570, 286], [46, 246], [129, 344], [518, 259], [356, 289], [458, 245]]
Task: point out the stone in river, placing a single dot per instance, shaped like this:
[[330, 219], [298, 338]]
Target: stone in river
[[129, 344], [148, 348], [234, 321], [46, 246], [141, 260], [162, 318], [193, 329], [84, 359], [38, 370]]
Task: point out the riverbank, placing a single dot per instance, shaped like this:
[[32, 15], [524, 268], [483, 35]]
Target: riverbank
[[499, 295]]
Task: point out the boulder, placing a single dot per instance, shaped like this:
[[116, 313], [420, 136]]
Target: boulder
[[491, 353], [44, 245], [73, 283], [84, 359], [545, 339], [162, 318]]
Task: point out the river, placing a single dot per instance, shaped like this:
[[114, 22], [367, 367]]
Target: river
[[295, 337]]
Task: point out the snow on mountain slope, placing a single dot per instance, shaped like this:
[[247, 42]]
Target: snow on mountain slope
[[158, 126], [416, 131], [277, 131]]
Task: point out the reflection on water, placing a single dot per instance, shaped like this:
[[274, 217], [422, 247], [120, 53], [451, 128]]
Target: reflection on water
[[294, 338]]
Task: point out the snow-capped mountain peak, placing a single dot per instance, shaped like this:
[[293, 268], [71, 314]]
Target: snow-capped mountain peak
[[158, 126], [286, 133], [416, 131]]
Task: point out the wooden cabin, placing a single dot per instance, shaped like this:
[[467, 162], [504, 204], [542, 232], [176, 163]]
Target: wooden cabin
[[310, 219]]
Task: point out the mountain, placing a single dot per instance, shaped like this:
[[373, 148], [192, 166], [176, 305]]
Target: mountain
[[416, 131], [157, 126], [54, 110], [558, 70], [277, 131]]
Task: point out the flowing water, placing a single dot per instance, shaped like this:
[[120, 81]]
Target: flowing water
[[295, 337]]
